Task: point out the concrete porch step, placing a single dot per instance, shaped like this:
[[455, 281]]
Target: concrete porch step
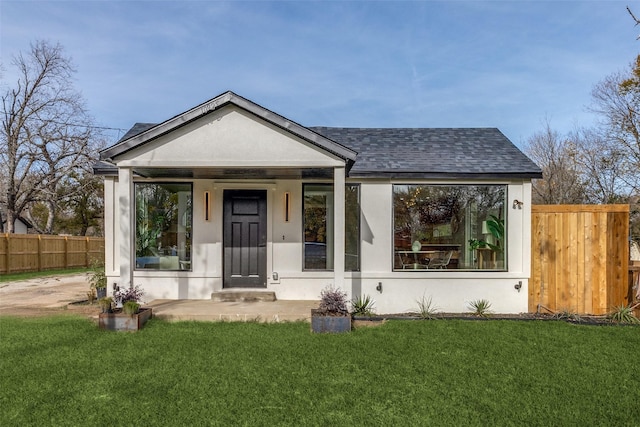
[[243, 295]]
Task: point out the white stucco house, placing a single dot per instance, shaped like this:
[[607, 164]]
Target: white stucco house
[[230, 195], [20, 225]]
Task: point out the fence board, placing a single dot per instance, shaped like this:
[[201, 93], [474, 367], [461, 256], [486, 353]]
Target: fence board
[[536, 283], [588, 263], [29, 252], [619, 272], [599, 267], [580, 266], [580, 258]]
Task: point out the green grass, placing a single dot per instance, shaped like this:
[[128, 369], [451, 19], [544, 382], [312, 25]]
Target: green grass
[[35, 274], [64, 371]]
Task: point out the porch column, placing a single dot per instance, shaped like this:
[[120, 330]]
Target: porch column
[[109, 226], [338, 227], [126, 204]]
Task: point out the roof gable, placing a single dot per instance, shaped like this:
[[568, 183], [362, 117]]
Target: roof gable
[[227, 138], [142, 133]]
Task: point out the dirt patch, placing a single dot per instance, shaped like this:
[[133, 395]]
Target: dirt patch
[[45, 296], [91, 312]]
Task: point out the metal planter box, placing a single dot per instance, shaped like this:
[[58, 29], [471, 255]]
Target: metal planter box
[[321, 323], [124, 322]]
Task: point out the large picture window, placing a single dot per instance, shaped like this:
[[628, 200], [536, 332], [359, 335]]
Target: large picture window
[[319, 227], [352, 228], [163, 226], [449, 227]]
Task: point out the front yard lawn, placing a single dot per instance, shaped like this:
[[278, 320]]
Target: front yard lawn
[[65, 371]]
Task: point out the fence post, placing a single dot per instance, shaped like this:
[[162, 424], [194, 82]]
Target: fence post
[[39, 252], [8, 258], [66, 252], [86, 247]]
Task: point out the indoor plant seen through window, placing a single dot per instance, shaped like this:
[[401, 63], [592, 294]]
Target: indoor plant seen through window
[[449, 227], [163, 226]]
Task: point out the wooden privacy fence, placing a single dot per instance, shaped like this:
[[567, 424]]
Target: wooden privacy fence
[[579, 258], [30, 252]]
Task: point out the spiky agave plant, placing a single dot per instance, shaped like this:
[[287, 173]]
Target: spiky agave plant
[[622, 314], [426, 308], [362, 305], [480, 307]]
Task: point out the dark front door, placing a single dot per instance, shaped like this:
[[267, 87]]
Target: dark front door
[[245, 239]]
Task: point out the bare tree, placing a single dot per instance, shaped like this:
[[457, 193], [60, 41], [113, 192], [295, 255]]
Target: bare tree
[[80, 198], [617, 100], [603, 166], [556, 156], [634, 17], [46, 131]]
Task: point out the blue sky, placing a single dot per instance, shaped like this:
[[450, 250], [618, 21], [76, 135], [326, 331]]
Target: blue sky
[[504, 64]]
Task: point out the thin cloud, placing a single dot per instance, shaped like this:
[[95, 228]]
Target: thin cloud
[[384, 64]]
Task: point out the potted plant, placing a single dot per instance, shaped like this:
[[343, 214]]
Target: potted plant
[[332, 315], [129, 315], [496, 228], [130, 307], [105, 304], [98, 279], [477, 244]]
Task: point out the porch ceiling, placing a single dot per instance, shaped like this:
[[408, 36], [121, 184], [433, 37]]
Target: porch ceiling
[[236, 173]]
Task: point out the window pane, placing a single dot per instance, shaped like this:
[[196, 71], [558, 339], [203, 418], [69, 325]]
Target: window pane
[[352, 228], [318, 226], [449, 227], [163, 226]]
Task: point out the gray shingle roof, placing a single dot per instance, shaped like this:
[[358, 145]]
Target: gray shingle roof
[[369, 152], [137, 129], [417, 152], [432, 152]]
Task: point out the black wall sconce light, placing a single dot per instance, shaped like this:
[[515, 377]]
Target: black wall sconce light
[[287, 206], [207, 205]]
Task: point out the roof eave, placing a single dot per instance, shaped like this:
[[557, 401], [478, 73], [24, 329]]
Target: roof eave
[[444, 175], [104, 169]]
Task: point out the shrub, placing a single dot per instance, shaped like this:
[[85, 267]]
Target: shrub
[[128, 294], [91, 296], [97, 275], [333, 302]]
